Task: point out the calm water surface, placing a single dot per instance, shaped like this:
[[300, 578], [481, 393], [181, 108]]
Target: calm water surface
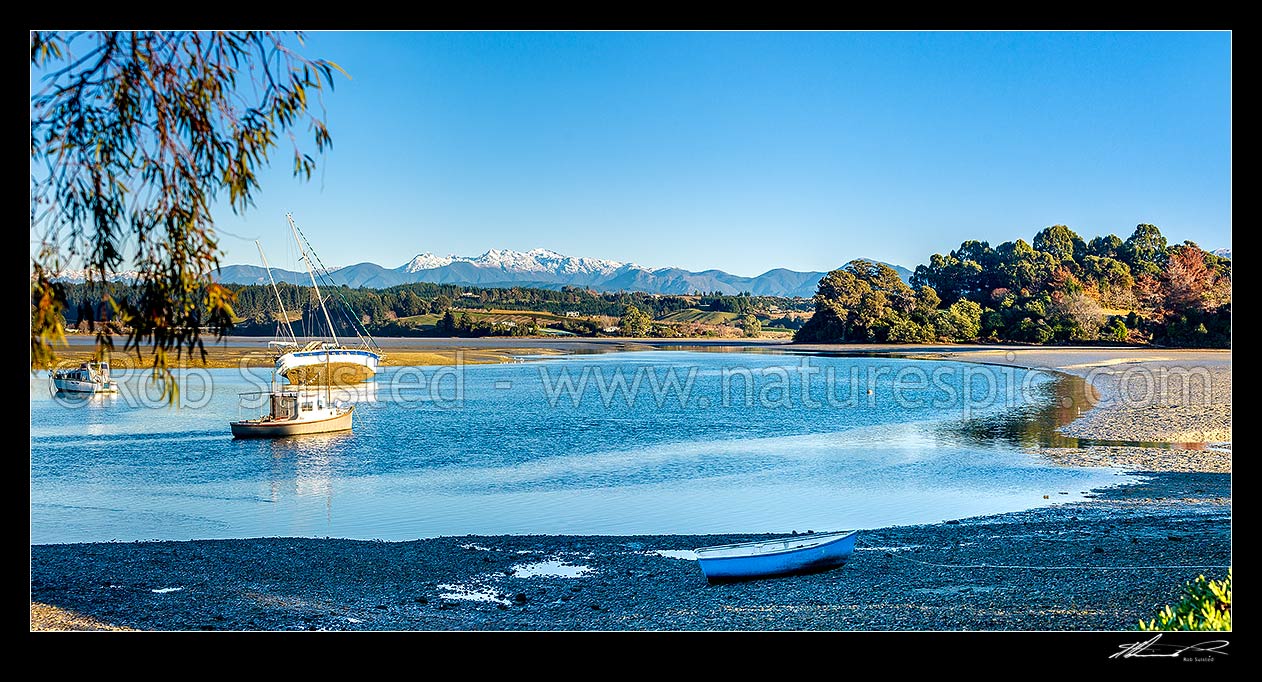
[[493, 449]]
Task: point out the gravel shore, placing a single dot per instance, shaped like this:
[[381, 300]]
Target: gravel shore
[[1141, 459], [1147, 395], [1080, 566], [1100, 564]]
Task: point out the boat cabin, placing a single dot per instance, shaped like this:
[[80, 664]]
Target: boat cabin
[[88, 371], [296, 405]]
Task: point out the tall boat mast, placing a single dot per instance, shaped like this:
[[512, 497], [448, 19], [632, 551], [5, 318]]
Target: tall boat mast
[[311, 272], [284, 320]]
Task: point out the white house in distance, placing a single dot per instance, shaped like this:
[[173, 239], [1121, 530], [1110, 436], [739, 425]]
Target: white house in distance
[[571, 313], [610, 330]]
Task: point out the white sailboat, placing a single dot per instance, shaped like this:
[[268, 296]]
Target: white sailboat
[[319, 361]]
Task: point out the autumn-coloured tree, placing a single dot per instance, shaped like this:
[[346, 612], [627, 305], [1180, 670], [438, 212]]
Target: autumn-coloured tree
[[1148, 295], [1190, 284]]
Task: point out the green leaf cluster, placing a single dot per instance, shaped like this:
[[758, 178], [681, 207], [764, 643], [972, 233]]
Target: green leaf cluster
[[1206, 605]]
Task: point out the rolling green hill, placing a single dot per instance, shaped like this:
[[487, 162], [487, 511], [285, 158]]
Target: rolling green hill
[[699, 316], [493, 316]]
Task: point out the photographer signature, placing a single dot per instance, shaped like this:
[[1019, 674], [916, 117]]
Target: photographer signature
[[1152, 649]]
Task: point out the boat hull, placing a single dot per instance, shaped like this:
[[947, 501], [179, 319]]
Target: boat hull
[[76, 386], [263, 428], [771, 558], [328, 367]]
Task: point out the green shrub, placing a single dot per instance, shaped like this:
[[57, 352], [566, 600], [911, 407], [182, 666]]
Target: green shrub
[[1115, 330], [1206, 605]]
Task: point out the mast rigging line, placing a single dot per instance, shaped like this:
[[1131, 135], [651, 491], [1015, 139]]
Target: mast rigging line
[[314, 286], [355, 323], [284, 322]]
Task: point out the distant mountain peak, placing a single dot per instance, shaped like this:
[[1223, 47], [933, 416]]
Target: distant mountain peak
[[427, 261]]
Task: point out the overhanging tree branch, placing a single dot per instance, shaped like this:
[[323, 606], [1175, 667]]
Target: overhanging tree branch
[[136, 139]]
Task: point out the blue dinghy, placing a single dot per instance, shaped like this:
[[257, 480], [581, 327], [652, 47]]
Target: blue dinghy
[[784, 556]]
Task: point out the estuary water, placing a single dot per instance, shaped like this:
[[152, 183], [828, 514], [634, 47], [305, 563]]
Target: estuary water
[[621, 443]]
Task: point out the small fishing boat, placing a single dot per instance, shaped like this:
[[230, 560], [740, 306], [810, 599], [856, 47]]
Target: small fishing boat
[[783, 556], [296, 412], [89, 377]]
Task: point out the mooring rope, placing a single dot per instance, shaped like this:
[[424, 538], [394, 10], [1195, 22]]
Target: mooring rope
[[1058, 568]]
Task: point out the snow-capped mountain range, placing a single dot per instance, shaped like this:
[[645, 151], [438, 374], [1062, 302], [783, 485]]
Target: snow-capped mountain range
[[534, 260], [81, 275], [548, 270]]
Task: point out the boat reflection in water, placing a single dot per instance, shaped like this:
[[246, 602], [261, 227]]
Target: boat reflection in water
[[303, 467]]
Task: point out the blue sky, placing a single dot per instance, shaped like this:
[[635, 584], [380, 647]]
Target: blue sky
[[749, 151]]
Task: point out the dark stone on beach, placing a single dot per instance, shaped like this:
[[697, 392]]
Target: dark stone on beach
[[1098, 550], [521, 598], [383, 607], [595, 607], [502, 607], [1174, 538], [953, 522], [422, 600]]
